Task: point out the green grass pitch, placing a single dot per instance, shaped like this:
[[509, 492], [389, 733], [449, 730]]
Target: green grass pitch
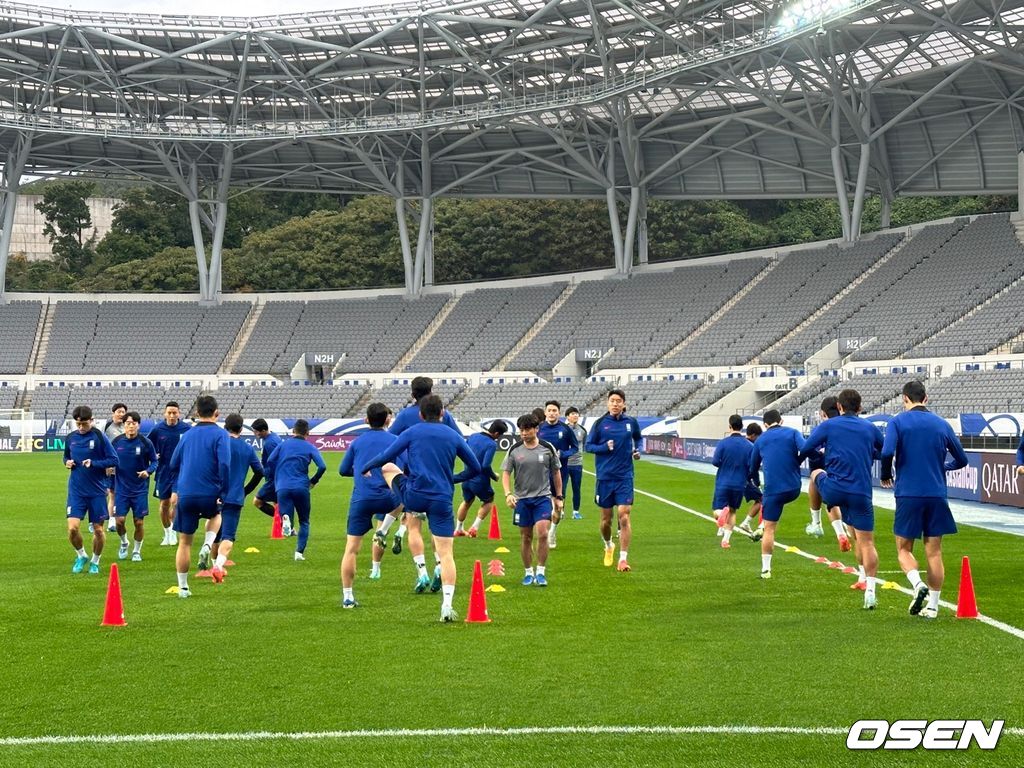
[[692, 637]]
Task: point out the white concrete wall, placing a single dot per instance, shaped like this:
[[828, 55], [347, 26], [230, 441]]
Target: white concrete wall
[[28, 238]]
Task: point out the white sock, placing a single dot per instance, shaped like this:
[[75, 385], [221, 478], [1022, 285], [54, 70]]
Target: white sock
[[347, 593], [458, 525], [421, 564], [933, 599], [529, 571], [816, 516], [208, 538], [623, 555], [541, 569], [475, 525], [401, 531], [861, 576], [138, 547], [749, 519], [81, 552], [183, 580], [726, 534], [766, 562], [169, 531], [96, 559], [837, 526], [374, 568], [608, 544], [385, 524], [915, 578], [219, 562], [447, 593], [553, 526], [870, 589], [124, 540]]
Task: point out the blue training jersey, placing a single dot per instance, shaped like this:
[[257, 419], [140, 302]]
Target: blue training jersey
[[732, 457], [288, 466], [201, 463], [616, 464], [270, 443], [133, 456], [561, 436], [920, 442], [483, 447], [410, 417], [431, 450], [851, 447], [364, 448], [1020, 452], [778, 448], [243, 458], [165, 439], [94, 447]]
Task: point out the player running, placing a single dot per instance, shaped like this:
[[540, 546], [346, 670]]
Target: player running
[[87, 455], [484, 446], [136, 461], [732, 458]]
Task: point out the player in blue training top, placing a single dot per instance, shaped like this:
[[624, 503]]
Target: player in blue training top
[[87, 454], [409, 416], [371, 498], [574, 467], [243, 459], [288, 470], [828, 410], [484, 445], [558, 434], [266, 496], [428, 484], [165, 437], [201, 467], [615, 442], [851, 447], [920, 441], [112, 429], [136, 461], [778, 448], [732, 457], [752, 493]]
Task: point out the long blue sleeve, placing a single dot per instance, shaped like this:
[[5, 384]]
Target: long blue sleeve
[[347, 461], [388, 454], [472, 468]]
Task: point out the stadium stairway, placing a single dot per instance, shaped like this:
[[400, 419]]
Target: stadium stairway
[[829, 304], [518, 347], [242, 338], [733, 301], [359, 407], [42, 338], [429, 331]]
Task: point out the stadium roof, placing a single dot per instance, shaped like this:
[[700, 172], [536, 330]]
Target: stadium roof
[[541, 98]]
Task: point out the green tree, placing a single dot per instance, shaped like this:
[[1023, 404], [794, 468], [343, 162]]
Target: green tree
[[66, 211]]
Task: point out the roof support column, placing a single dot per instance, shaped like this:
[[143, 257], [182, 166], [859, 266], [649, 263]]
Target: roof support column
[[632, 219], [885, 214], [425, 241], [1020, 184], [862, 173], [839, 173], [641, 229], [13, 169], [220, 222], [403, 228]]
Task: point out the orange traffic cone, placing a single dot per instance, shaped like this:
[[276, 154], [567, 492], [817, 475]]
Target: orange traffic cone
[[275, 528], [477, 600], [113, 613], [495, 532], [966, 606]]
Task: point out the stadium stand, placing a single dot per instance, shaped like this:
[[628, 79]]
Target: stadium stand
[[880, 393], [373, 333], [643, 317], [483, 326], [18, 321], [139, 337], [8, 397], [808, 393], [517, 398], [705, 397], [791, 292], [994, 390], [396, 396], [659, 398], [56, 403], [853, 308]]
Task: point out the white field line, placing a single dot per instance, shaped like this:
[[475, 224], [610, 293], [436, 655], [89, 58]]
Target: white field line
[[779, 546], [570, 730]]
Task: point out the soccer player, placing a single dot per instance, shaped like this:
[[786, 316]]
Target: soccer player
[[851, 447], [732, 457], [574, 467], [483, 445], [136, 461], [266, 496], [555, 432], [752, 492], [87, 454], [615, 442], [288, 469], [920, 441], [829, 410], [428, 484], [538, 479], [201, 467], [165, 437], [778, 448], [112, 429], [371, 497], [419, 387], [243, 458]]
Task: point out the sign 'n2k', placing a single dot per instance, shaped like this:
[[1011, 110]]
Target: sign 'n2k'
[[911, 734]]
